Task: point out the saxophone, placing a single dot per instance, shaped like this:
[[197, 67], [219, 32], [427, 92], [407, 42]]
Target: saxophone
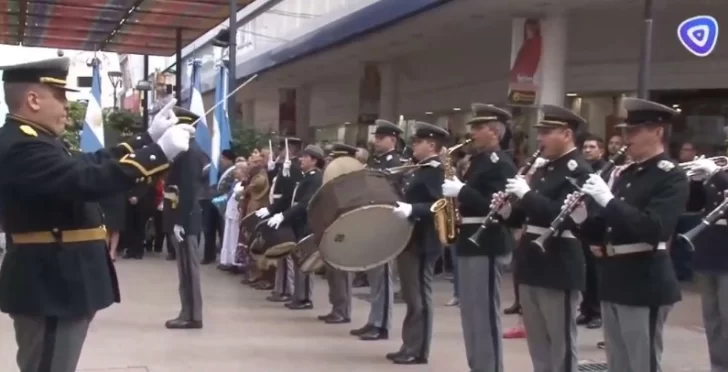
[[445, 210]]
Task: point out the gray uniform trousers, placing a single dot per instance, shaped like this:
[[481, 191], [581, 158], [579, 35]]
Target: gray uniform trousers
[[339, 291], [49, 344], [381, 296], [714, 292], [479, 283], [285, 276], [633, 335], [550, 323], [303, 285], [188, 269], [415, 275]]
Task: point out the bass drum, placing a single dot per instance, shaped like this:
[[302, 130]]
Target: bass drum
[[352, 221], [247, 228], [339, 167], [272, 243], [307, 255]]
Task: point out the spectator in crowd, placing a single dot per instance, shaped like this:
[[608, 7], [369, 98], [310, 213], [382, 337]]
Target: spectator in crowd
[[212, 221], [614, 144], [156, 242]]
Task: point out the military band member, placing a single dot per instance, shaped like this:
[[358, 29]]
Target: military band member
[[549, 281], [480, 266], [289, 174], [629, 226], [416, 264], [182, 219], [710, 261], [339, 281], [311, 160], [57, 272], [381, 293]]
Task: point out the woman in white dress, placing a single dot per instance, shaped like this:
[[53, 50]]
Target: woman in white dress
[[232, 222]]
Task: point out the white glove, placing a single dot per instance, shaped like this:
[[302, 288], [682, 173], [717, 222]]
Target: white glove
[[163, 120], [598, 189], [262, 212], [160, 207], [579, 213], [701, 169], [238, 189], [517, 186], [276, 220], [403, 210], [271, 164], [286, 168], [179, 233], [539, 163], [500, 198], [176, 140], [451, 188]]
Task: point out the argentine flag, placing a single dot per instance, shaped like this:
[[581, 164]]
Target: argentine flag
[[220, 129], [92, 137], [202, 136]]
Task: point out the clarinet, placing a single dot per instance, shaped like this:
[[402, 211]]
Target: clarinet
[[490, 218], [707, 221], [559, 220]]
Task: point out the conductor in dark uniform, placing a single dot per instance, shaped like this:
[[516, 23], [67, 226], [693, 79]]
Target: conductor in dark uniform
[[339, 281], [288, 175], [381, 292], [416, 264], [549, 281], [182, 219], [629, 226], [57, 272], [480, 266], [311, 162]]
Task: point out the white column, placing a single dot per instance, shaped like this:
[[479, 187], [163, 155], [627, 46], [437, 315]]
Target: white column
[[389, 99], [303, 113], [553, 60]]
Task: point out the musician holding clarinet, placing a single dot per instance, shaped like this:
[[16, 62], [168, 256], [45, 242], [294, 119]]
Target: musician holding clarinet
[[628, 226], [479, 266], [550, 279], [710, 259]]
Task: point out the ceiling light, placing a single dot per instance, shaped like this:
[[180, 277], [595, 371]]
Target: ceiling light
[[428, 113], [456, 109], [678, 110], [571, 94], [675, 106]]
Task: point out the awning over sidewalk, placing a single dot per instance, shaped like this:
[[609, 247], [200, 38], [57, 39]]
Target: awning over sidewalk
[[121, 26]]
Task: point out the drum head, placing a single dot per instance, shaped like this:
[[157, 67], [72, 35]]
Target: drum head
[[339, 167], [354, 243]]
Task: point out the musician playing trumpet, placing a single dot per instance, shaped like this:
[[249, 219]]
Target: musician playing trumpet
[[710, 261], [480, 267], [550, 280], [628, 226]]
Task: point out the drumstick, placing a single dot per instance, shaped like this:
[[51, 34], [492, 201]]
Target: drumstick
[[270, 147], [287, 157]]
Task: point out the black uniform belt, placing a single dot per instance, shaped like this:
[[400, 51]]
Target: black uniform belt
[[56, 236]]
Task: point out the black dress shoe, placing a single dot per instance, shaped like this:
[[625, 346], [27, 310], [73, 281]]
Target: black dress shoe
[[326, 317], [514, 309], [207, 261], [601, 345], [408, 359], [582, 319], [361, 331], [300, 305], [394, 355], [375, 334], [183, 324], [594, 323], [335, 319], [278, 298]]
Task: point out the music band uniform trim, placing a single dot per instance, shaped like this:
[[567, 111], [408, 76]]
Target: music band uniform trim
[[480, 267], [56, 273], [549, 282], [637, 283]]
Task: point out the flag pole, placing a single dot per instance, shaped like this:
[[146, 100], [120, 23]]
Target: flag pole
[[221, 101]]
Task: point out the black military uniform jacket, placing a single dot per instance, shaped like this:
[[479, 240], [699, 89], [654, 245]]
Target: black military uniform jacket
[[57, 263], [386, 160], [710, 246], [182, 189], [296, 215], [562, 265], [486, 175], [423, 188], [648, 199], [284, 186]]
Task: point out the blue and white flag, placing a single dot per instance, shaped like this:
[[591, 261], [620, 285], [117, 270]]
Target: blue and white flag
[[92, 137], [202, 135], [220, 129]]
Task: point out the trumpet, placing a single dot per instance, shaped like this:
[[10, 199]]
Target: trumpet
[[540, 242], [475, 238], [707, 221], [720, 161]]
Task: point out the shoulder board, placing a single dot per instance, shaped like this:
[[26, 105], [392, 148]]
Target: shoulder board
[[28, 130], [433, 163], [666, 165]]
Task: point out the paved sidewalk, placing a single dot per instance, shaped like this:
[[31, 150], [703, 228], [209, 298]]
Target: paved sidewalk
[[243, 332]]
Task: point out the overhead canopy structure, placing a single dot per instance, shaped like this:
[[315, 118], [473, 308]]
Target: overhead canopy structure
[[147, 27]]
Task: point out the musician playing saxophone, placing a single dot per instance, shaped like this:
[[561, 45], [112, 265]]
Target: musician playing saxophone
[[417, 263], [549, 281], [479, 267], [629, 225]]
